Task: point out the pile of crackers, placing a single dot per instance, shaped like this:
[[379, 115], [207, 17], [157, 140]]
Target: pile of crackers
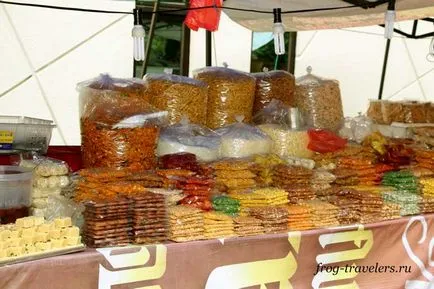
[[427, 202], [323, 214], [264, 165], [390, 211], [233, 176], [299, 217], [185, 224], [274, 219], [149, 217], [218, 225], [260, 198], [248, 226], [425, 159], [294, 180], [321, 182], [107, 223], [349, 212]]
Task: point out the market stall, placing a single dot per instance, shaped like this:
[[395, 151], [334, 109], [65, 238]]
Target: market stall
[[224, 180]]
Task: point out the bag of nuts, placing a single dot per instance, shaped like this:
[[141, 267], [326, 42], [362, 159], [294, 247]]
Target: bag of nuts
[[319, 100], [179, 96], [119, 128], [230, 93], [270, 85]]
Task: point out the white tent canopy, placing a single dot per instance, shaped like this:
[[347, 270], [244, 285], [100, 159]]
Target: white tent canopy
[[331, 19]]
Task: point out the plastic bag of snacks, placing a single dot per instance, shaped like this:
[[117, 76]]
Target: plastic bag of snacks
[[356, 128], [241, 140], [187, 137], [271, 85], [119, 129], [284, 126], [319, 100], [230, 93], [323, 141], [179, 96]]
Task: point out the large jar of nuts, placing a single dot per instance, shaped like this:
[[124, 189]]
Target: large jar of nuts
[[180, 96], [119, 128], [230, 94], [319, 100], [271, 85]]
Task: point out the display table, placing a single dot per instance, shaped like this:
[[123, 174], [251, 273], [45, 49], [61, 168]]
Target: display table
[[393, 254]]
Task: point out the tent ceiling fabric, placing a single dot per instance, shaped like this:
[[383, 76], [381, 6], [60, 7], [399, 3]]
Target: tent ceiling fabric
[[332, 19]]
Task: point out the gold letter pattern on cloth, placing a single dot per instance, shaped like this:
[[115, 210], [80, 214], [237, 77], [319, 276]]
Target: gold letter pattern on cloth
[[109, 278], [357, 237], [260, 273]]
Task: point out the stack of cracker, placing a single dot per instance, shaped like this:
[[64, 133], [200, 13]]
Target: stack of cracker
[[345, 177], [107, 223], [185, 224], [321, 182], [409, 202], [370, 206], [323, 214], [264, 168], [149, 218], [425, 158], [427, 203], [248, 226], [294, 180], [274, 219], [234, 176], [390, 211], [218, 225], [260, 198], [349, 212], [299, 218]]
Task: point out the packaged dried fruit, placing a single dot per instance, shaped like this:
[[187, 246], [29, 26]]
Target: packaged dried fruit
[[319, 100], [279, 85], [180, 96], [119, 128], [393, 111], [375, 111], [230, 93]]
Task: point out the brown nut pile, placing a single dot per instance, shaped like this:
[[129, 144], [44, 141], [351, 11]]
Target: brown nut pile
[[271, 85], [230, 94], [320, 104], [178, 95]]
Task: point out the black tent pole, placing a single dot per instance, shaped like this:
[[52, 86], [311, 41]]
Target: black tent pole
[[208, 48], [383, 73], [150, 37], [391, 7]]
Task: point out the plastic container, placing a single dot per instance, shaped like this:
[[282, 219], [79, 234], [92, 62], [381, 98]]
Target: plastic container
[[15, 190], [25, 133]]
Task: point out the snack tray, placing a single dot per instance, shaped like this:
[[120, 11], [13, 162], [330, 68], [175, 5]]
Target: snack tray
[[42, 255]]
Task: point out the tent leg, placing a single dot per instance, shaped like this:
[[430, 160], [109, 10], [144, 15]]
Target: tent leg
[[185, 50], [292, 50], [150, 37], [383, 73], [208, 51]]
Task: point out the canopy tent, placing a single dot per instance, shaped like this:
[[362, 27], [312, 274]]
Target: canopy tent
[[326, 19]]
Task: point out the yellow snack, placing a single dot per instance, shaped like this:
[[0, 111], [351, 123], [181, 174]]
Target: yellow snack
[[4, 235], [43, 246], [41, 237], [15, 234], [45, 228], [30, 249], [13, 242], [28, 232], [62, 222], [72, 232], [72, 241], [55, 234], [57, 243], [15, 251], [25, 241]]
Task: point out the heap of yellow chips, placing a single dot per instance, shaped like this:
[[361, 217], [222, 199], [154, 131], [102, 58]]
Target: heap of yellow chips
[[260, 198], [217, 225], [185, 224], [264, 166], [323, 214]]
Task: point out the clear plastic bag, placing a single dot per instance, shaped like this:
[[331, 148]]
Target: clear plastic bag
[[179, 96], [119, 128], [319, 100], [279, 85], [230, 93], [241, 140], [187, 137], [287, 142], [356, 128]]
